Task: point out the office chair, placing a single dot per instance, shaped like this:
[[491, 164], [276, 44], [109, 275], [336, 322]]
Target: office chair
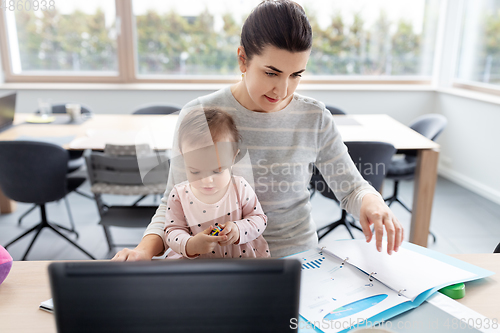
[[334, 110], [497, 249], [158, 109], [403, 167], [75, 162], [117, 171], [35, 172], [371, 159], [316, 175]]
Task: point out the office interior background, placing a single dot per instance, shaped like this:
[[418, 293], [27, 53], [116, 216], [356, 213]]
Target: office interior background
[[401, 58]]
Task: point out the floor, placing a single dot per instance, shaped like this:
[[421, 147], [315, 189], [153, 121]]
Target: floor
[[462, 221]]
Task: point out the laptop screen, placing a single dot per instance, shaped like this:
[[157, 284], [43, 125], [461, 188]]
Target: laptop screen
[[251, 295], [7, 110]]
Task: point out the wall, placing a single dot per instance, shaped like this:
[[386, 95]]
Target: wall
[[469, 146], [403, 105]]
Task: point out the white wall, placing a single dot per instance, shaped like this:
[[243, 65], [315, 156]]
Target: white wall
[[401, 105], [470, 155], [103, 101]]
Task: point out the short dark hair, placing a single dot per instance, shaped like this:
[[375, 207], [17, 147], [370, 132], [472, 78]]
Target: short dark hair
[[280, 23], [193, 128]]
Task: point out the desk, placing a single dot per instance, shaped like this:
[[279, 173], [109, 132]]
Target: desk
[[352, 128], [28, 284]]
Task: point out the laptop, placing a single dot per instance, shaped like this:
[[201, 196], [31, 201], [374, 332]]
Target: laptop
[[7, 111], [219, 295]]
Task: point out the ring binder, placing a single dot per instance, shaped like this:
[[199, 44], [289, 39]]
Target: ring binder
[[400, 293], [343, 262], [370, 276]]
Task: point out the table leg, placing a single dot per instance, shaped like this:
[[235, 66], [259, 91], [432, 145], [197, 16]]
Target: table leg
[[423, 195], [6, 205]]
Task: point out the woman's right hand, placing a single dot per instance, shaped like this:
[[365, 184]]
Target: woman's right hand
[[131, 255], [203, 243], [150, 246]]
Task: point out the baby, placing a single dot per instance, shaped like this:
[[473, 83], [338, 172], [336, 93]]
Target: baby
[[212, 196]]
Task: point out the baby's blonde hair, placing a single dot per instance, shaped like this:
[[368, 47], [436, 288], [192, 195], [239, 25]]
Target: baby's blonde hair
[[193, 129]]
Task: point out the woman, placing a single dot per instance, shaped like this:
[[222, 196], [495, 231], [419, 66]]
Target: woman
[[284, 134]]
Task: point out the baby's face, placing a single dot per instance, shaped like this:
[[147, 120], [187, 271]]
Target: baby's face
[[208, 168]]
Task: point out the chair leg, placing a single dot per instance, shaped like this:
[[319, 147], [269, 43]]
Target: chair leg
[[70, 217], [26, 213], [342, 221], [40, 227], [138, 200], [433, 236], [394, 196], [329, 228], [348, 227], [109, 239], [69, 240], [404, 206], [88, 196], [24, 234]]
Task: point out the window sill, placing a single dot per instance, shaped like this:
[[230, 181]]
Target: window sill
[[207, 86], [470, 94]]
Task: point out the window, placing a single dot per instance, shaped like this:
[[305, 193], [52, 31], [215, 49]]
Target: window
[[196, 40], [479, 52], [193, 38], [362, 38], [71, 38], [375, 38]]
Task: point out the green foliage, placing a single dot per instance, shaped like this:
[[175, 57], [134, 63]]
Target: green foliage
[[49, 40], [172, 44], [489, 60], [362, 50]]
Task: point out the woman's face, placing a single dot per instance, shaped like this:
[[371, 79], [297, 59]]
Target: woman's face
[[271, 78]]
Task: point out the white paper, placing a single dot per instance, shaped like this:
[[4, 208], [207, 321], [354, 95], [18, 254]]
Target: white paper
[[327, 287], [407, 271], [47, 305]]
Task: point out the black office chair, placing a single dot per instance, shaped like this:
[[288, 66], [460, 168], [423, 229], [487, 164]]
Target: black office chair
[[403, 167], [75, 162], [35, 172], [371, 159], [158, 109], [312, 190], [334, 110], [497, 249]]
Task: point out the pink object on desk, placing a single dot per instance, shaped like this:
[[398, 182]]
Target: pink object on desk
[[5, 263]]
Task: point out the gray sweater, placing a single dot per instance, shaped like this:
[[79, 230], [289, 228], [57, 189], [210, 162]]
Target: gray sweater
[[277, 153]]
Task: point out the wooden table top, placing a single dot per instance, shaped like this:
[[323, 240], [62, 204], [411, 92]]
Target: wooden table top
[[28, 284], [378, 127]]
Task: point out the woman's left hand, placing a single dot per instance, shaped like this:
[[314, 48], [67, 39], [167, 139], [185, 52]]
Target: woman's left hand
[[375, 212]]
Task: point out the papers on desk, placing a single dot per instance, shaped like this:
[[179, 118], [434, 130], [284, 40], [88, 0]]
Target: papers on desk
[[349, 283], [47, 305]]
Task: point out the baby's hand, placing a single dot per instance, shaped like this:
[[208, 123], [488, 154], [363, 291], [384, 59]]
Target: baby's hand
[[233, 233], [203, 242]]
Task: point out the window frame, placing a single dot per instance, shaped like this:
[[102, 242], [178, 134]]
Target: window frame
[[127, 64], [60, 76]]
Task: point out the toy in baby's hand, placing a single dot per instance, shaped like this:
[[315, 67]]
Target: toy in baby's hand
[[5, 263], [215, 231]]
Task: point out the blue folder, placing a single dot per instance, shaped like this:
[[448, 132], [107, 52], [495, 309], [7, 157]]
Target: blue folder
[[304, 326]]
